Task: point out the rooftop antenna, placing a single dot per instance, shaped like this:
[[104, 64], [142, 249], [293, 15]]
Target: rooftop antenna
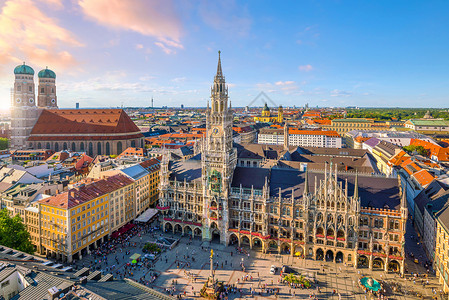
[[152, 102]]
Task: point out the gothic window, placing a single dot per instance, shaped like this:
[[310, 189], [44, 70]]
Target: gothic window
[[73, 147], [330, 218], [82, 147], [332, 204], [98, 148], [48, 146], [350, 221], [340, 219], [319, 218], [108, 149], [56, 147], [338, 205], [91, 149], [391, 224], [297, 213], [119, 147], [64, 146]]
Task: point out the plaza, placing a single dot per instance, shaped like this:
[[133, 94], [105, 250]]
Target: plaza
[[184, 269]]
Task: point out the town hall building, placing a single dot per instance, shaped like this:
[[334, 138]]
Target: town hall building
[[358, 219]]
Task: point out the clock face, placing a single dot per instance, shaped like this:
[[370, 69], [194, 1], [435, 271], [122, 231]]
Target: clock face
[[18, 100], [215, 131], [53, 100], [31, 100]]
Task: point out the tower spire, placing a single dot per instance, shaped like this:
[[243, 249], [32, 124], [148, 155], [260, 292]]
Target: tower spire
[[219, 71], [356, 187], [306, 182]]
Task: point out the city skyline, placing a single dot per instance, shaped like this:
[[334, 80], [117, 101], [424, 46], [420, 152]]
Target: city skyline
[[327, 54]]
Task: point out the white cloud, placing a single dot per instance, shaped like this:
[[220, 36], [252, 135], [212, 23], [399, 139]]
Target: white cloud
[[165, 48], [155, 18], [27, 33], [340, 93], [179, 79], [286, 87], [305, 68]]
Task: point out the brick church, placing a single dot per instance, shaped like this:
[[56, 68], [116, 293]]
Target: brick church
[[45, 126]]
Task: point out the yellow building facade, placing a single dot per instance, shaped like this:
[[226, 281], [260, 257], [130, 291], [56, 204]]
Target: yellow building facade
[[267, 118], [441, 262], [77, 221]]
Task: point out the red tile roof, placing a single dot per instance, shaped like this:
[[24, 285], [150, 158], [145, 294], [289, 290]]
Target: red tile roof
[[152, 164], [82, 194], [423, 177], [65, 122]]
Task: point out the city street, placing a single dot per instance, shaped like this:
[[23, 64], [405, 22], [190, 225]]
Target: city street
[[184, 269]]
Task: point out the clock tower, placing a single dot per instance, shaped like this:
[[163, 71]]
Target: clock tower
[[219, 160]]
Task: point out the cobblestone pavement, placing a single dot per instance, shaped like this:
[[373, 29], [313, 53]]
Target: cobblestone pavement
[[174, 267]]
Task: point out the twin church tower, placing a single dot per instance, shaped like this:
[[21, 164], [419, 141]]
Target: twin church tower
[[24, 111]]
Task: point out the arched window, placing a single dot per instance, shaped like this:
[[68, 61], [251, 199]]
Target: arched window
[[98, 148], [91, 149], [73, 147], [64, 146], [56, 147], [48, 146], [133, 143], [119, 147], [108, 150], [82, 146], [38, 145]]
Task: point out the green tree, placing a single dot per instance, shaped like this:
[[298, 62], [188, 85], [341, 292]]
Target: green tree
[[419, 149], [13, 233], [4, 143]]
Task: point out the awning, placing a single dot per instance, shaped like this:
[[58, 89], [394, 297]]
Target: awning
[[147, 215], [122, 230], [135, 256]]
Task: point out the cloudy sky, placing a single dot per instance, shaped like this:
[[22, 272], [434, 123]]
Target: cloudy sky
[[326, 53]]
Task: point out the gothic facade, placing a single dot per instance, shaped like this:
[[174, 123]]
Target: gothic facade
[[341, 217]]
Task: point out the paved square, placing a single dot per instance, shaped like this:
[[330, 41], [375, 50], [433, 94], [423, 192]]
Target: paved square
[[186, 267]]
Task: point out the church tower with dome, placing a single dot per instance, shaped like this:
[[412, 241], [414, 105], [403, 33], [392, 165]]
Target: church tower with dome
[[24, 112], [47, 89]]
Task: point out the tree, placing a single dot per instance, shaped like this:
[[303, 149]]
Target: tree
[[13, 233], [4, 143], [419, 149]]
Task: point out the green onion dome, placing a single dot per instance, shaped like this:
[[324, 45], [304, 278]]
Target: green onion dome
[[24, 69], [46, 73]]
